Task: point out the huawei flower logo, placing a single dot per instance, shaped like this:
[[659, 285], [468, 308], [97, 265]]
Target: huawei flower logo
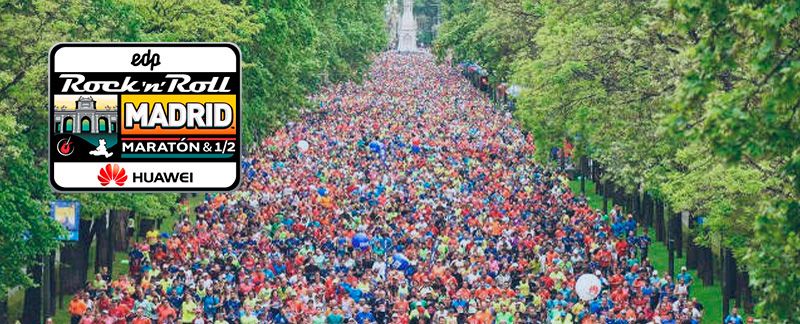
[[112, 173]]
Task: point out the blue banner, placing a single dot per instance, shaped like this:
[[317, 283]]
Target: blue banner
[[68, 214]]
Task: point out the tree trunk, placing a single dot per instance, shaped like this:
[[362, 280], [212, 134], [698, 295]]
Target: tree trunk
[[598, 172], [731, 272], [647, 210], [4, 309], [623, 200], [32, 310], [745, 297], [654, 218], [599, 188], [113, 228], [669, 238], [102, 245], [119, 219], [679, 234], [583, 166], [660, 230], [49, 286], [75, 260], [640, 206], [728, 279], [706, 264], [691, 246], [50, 301], [599, 185], [702, 264], [606, 192]]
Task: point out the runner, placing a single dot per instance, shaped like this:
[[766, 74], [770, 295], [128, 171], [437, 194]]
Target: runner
[[405, 199]]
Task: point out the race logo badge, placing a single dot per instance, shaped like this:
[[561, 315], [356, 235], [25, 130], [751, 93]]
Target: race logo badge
[[145, 117]]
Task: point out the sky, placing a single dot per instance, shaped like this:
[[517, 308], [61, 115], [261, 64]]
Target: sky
[[69, 100]]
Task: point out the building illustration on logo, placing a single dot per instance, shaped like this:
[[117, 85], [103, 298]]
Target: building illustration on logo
[[85, 118]]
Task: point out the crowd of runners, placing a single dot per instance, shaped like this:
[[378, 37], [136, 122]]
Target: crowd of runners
[[405, 199]]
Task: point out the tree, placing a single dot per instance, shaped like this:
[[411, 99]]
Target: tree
[[741, 96], [726, 195], [27, 30], [496, 34], [26, 234]]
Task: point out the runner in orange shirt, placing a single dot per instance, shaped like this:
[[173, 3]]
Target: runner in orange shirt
[[140, 318], [77, 308], [165, 311], [484, 316]]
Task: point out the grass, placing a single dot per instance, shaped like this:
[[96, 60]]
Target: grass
[[16, 300], [709, 296], [62, 315]]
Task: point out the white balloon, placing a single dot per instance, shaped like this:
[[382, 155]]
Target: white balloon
[[302, 145], [588, 286]]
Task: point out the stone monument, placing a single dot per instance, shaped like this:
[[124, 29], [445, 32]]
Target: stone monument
[[407, 33]]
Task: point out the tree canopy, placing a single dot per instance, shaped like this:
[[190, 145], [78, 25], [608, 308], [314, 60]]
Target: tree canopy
[[693, 101]]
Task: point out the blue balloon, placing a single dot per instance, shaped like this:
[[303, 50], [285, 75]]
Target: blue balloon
[[399, 261], [322, 191], [360, 241]]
